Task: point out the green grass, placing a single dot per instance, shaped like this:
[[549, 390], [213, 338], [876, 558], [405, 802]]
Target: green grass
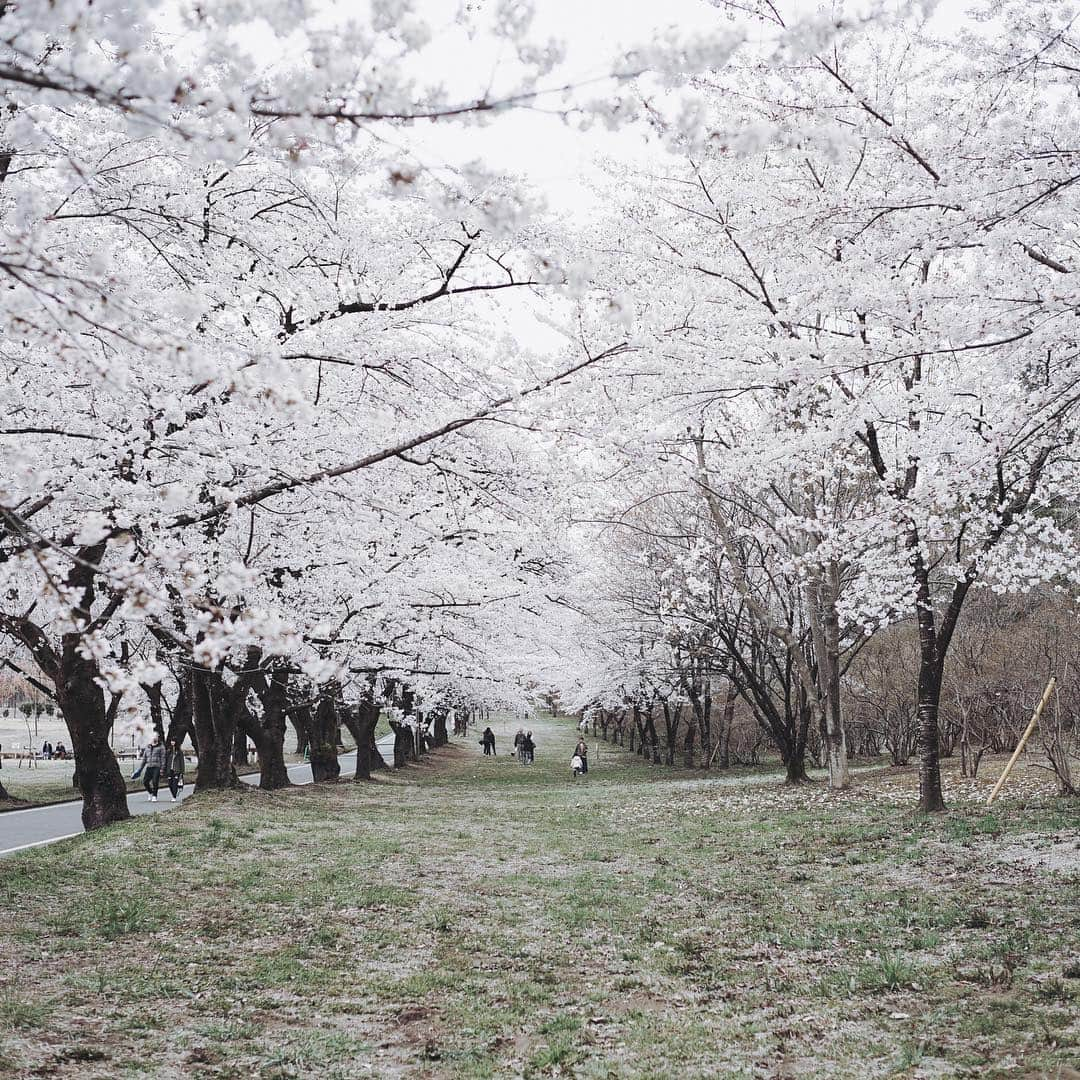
[[473, 918]]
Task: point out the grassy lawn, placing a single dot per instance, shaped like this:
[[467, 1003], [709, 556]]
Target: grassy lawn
[[474, 918]]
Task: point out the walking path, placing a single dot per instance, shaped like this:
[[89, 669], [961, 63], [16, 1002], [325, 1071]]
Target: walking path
[[39, 825]]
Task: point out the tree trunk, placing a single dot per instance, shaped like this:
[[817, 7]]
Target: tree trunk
[[928, 697], [652, 749], [441, 738], [403, 741], [706, 725], [269, 736], [303, 740], [82, 703], [361, 721], [377, 761], [324, 739], [689, 739], [825, 636], [240, 744], [729, 720], [214, 726], [180, 725], [81, 699], [671, 732], [153, 694], [795, 767]]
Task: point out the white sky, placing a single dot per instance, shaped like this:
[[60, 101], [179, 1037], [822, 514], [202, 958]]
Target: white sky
[[554, 156]]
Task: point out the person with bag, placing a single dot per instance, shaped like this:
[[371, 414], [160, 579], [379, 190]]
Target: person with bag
[[152, 761], [174, 767], [582, 751]]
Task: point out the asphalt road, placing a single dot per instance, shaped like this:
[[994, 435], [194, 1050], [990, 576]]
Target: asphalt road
[[39, 825]]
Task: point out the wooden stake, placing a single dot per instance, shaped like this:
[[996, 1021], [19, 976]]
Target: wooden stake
[[1023, 740]]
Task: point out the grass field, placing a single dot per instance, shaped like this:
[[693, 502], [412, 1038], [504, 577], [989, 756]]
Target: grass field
[[475, 918]]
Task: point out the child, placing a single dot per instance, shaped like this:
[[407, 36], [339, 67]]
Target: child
[[575, 766]]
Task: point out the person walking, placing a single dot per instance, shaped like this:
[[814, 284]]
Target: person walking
[[530, 748], [174, 767], [582, 751], [519, 745], [488, 742], [152, 761]]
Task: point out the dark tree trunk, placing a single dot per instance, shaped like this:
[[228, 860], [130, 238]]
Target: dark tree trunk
[[652, 740], [80, 698], [377, 761], [324, 739], [795, 770], [707, 744], [441, 738], [671, 732], [688, 741], [240, 741], [180, 725], [794, 754], [931, 798], [729, 719], [215, 723], [361, 721], [403, 743], [303, 740], [82, 703], [269, 736], [157, 717]]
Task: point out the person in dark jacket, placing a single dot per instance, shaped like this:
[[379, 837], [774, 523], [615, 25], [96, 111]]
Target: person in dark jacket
[[530, 748], [153, 760], [519, 745], [174, 767], [582, 751], [488, 741]]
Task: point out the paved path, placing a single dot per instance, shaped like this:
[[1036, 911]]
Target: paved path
[[39, 825]]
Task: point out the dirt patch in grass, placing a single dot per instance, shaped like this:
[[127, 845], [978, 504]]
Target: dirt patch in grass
[[471, 917], [1051, 854]]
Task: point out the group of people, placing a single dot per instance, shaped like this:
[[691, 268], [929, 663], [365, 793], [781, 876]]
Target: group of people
[[157, 759], [524, 746], [525, 749], [58, 752]]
